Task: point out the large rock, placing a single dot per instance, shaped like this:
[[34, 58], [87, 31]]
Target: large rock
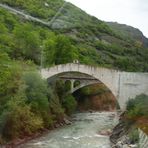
[[67, 122]]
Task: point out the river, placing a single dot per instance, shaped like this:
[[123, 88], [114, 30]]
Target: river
[[82, 133]]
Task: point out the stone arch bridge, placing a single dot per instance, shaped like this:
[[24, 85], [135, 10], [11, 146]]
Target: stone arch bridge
[[123, 85]]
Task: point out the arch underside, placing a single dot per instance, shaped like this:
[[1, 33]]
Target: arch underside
[[84, 85]]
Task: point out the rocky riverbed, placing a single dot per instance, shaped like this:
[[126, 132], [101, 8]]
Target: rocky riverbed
[[84, 132]]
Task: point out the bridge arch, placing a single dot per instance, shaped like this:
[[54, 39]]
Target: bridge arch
[[106, 76], [123, 85]]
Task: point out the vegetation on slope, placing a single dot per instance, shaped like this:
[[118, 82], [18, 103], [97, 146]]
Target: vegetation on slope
[[136, 116], [90, 40], [27, 103], [36, 8], [137, 112], [130, 33]]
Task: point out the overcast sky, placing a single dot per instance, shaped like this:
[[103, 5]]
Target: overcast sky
[[130, 12]]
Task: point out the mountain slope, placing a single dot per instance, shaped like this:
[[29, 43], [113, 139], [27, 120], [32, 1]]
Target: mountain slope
[[86, 38], [129, 32]]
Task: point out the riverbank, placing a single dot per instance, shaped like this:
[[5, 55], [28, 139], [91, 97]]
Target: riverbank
[[120, 135], [16, 142], [19, 141], [100, 123], [83, 132]]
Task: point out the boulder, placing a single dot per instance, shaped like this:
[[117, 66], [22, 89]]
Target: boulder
[[67, 122]]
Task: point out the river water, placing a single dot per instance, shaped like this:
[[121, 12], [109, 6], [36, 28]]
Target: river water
[[82, 133]]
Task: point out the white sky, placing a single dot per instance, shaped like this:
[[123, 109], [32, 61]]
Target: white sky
[[130, 12]]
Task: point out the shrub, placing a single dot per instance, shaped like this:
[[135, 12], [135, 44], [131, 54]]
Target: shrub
[[134, 135], [137, 112], [18, 120], [69, 104], [37, 96]]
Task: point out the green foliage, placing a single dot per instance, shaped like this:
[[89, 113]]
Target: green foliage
[[65, 52], [79, 36], [137, 114], [36, 89], [37, 96], [59, 88], [18, 119], [67, 101], [130, 33], [77, 83], [70, 104], [10, 79], [27, 104], [37, 8], [134, 135], [27, 43], [49, 52], [67, 86], [59, 50], [56, 107], [126, 63], [137, 107]]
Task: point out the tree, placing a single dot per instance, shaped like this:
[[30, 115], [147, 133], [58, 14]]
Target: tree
[[49, 52], [18, 120], [65, 51], [27, 43], [69, 104], [10, 79]]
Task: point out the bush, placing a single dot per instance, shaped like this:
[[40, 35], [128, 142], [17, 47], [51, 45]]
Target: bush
[[37, 93], [18, 120], [137, 112], [69, 104], [137, 107], [134, 136]]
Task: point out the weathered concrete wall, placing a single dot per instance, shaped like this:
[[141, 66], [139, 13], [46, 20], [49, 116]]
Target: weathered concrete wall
[[124, 85], [132, 84]]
